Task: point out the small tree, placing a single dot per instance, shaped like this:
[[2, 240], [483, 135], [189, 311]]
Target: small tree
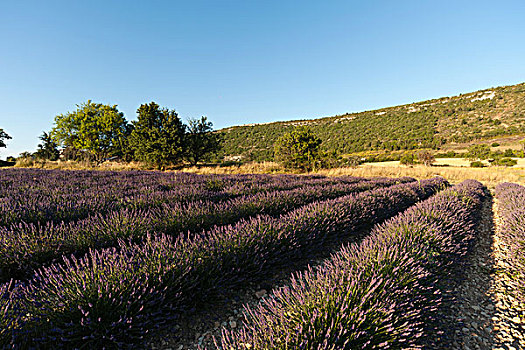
[[158, 136], [200, 140], [48, 149], [426, 157], [298, 149], [3, 136]]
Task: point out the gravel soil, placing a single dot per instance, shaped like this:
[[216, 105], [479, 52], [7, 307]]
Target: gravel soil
[[481, 312], [485, 314], [509, 316]]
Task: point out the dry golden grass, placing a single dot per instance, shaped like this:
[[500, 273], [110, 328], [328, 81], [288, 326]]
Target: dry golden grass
[[490, 176], [248, 168], [453, 162]]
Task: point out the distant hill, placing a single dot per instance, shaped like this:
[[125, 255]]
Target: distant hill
[[484, 114]]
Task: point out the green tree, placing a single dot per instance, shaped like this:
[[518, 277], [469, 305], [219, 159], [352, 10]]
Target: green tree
[[298, 149], [158, 136], [48, 149], [3, 136], [94, 127], [201, 141]]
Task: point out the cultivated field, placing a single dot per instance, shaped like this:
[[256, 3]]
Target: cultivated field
[[137, 259]]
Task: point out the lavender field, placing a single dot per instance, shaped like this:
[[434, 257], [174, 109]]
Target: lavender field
[[141, 259]]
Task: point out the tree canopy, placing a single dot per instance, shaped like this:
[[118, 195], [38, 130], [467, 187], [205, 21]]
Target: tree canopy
[[3, 136], [298, 149], [200, 140], [158, 136], [96, 131], [47, 149], [94, 127]]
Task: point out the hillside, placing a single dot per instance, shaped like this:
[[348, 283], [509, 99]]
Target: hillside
[[484, 114]]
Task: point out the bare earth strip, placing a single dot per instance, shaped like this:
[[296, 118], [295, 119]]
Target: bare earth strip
[[509, 328], [487, 316]]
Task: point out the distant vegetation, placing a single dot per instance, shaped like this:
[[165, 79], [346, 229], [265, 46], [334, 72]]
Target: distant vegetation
[[424, 157], [429, 124], [415, 133], [95, 132], [201, 142]]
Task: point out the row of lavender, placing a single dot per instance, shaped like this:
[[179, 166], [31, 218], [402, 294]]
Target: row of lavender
[[381, 293], [39, 196], [26, 246], [114, 297], [511, 198]]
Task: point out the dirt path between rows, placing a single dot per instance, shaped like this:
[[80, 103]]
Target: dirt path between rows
[[485, 314], [509, 322]]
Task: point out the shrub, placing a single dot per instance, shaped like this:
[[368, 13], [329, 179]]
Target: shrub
[[505, 162], [478, 152], [407, 159], [425, 157], [353, 161], [477, 164]]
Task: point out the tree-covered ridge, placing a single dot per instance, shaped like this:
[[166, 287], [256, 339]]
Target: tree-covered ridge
[[428, 124]]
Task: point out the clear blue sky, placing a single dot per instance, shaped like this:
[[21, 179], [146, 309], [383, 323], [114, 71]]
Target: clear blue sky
[[246, 61]]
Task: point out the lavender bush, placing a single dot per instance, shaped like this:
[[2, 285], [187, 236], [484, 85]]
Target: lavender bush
[[381, 293], [40, 196], [26, 246], [114, 297]]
